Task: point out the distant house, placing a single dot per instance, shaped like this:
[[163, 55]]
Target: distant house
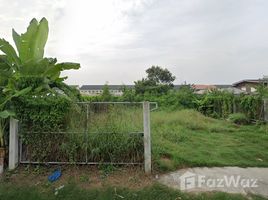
[[250, 85], [201, 89], [95, 90]]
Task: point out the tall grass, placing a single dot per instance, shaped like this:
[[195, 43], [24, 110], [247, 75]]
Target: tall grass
[[184, 138], [187, 138], [115, 133], [95, 133]]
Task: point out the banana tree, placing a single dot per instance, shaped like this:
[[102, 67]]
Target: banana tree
[[5, 113], [24, 69], [3, 116], [5, 74], [5, 98], [27, 62]]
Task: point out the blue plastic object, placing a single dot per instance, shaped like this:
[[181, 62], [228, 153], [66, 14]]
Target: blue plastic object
[[55, 175]]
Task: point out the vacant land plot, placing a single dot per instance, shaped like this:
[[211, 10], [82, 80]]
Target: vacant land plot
[[179, 139], [187, 138]]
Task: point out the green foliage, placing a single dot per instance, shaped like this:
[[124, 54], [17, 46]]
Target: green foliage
[[30, 68], [187, 138], [158, 81], [31, 44], [11, 57], [42, 118], [62, 132], [251, 105], [159, 75], [238, 118], [5, 72], [128, 94], [216, 104], [29, 72], [220, 104], [45, 113], [114, 133], [5, 114], [106, 95], [172, 100]]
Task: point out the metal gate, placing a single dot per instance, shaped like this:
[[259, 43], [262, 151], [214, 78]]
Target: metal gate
[[97, 132]]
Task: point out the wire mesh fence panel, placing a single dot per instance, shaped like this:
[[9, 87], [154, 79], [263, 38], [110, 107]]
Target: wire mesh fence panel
[[96, 132], [115, 132], [47, 147]]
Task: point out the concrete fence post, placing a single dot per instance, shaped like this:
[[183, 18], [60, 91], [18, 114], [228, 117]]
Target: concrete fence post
[[13, 144], [265, 110], [147, 137]]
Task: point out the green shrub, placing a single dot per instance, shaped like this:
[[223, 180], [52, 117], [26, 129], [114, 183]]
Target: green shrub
[[41, 117], [238, 118]]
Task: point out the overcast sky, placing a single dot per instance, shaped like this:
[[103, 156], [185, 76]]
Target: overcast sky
[[199, 41]]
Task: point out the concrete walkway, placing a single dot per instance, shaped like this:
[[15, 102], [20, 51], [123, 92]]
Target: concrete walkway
[[224, 179]]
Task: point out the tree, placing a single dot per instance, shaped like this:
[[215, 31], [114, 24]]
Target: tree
[[159, 75], [158, 81], [128, 94], [106, 95], [26, 70], [28, 65]]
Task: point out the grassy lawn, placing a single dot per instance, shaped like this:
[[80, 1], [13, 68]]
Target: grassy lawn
[[188, 139], [9, 192]]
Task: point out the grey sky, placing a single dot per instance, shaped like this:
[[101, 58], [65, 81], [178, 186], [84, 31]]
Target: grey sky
[[199, 41]]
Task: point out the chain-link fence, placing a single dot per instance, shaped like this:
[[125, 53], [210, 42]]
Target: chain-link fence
[[96, 132]]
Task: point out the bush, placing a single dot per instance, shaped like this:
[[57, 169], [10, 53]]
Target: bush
[[238, 118], [41, 116]]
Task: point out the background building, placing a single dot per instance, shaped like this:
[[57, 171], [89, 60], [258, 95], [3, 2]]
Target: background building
[[95, 90]]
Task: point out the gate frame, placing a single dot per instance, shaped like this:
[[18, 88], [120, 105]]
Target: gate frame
[[15, 148]]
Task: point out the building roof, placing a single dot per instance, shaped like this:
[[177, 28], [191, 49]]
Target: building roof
[[100, 87], [223, 86], [203, 87], [248, 81]]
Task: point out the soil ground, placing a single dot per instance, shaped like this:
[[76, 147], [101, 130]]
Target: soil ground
[[86, 177]]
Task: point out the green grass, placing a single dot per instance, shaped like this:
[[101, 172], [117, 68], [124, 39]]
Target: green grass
[[108, 133], [9, 192], [186, 138], [180, 139]]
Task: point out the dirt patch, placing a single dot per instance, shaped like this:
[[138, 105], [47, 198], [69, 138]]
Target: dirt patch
[[83, 176]]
